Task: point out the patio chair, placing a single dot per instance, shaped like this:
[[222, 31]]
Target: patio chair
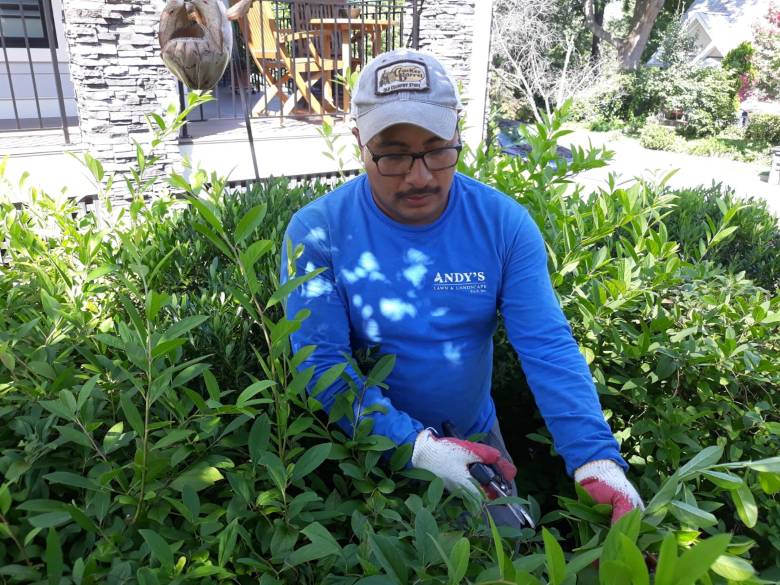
[[273, 51]]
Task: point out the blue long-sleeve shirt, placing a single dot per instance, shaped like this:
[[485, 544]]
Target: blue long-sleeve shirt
[[431, 295]]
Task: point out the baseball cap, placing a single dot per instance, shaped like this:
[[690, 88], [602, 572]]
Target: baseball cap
[[405, 87]]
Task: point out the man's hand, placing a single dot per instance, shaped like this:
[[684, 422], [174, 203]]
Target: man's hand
[[450, 458], [606, 483]]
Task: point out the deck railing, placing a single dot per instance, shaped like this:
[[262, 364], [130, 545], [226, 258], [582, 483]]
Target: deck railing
[[274, 71]]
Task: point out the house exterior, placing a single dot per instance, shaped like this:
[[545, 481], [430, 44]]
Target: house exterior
[[112, 76], [718, 26]]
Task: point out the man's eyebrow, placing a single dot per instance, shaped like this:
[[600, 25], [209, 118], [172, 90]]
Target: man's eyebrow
[[434, 140]]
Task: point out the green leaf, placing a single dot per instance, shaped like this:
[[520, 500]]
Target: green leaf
[[205, 211], [82, 519], [275, 469], [188, 374], [698, 560], [425, 526], [132, 414], [113, 435], [633, 558], [746, 505], [181, 327], [49, 519], [53, 557], [328, 378], [666, 568], [172, 437], [381, 370], [556, 564], [771, 465], [727, 481], [160, 549], [705, 458], [249, 222], [5, 499], [72, 480], [283, 291], [459, 561], [310, 460], [57, 408], [191, 501], [390, 555], [258, 437], [692, 515], [770, 482], [86, 391], [164, 347], [256, 251], [218, 242], [733, 568], [199, 477], [322, 545], [253, 389], [227, 542], [614, 573]]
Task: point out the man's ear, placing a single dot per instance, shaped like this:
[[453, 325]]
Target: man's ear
[[356, 134]]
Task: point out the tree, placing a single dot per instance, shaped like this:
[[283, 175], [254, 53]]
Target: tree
[[630, 46], [767, 54], [536, 52]]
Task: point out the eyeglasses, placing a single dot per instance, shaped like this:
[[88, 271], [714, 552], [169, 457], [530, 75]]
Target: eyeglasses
[[396, 165]]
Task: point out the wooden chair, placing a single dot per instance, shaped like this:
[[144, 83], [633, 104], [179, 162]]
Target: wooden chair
[[273, 51]]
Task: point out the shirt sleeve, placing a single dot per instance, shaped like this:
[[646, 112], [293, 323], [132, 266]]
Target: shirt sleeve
[[556, 371], [328, 329]]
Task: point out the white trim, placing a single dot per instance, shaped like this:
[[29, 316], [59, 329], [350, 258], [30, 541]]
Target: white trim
[[478, 74]]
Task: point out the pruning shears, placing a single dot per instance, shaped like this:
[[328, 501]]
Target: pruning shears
[[489, 475]]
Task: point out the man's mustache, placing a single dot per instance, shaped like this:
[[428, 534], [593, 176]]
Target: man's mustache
[[418, 192]]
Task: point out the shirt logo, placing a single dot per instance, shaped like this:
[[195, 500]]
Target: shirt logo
[[401, 76], [472, 282]]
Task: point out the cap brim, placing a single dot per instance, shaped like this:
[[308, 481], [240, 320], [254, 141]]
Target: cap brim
[[441, 121]]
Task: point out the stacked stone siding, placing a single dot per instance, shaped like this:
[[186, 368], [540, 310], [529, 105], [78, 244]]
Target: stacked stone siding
[[118, 76], [447, 30]]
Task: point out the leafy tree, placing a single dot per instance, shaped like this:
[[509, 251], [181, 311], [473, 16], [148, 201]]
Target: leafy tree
[[631, 45], [767, 58]]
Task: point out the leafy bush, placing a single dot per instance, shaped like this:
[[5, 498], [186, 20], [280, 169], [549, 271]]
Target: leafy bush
[[753, 242], [657, 137], [705, 96], [136, 448], [764, 128]]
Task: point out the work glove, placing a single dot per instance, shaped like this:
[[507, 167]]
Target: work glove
[[449, 459], [606, 483]]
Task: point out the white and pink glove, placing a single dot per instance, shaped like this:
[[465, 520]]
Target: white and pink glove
[[449, 459], [606, 483]]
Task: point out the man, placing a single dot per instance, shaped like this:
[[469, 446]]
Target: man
[[418, 261]]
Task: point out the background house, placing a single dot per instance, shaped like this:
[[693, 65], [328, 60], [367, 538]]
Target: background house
[[718, 26]]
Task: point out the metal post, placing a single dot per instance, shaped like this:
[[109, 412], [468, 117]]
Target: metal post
[[32, 67], [47, 11], [10, 79], [184, 132]]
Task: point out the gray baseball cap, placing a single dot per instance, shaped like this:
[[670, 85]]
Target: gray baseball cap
[[405, 87]]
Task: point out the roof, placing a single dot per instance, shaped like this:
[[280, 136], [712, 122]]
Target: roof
[[727, 22]]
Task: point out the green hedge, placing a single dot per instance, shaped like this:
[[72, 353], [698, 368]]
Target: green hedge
[[764, 128], [154, 427]]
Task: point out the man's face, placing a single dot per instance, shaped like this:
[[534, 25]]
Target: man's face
[[418, 197]]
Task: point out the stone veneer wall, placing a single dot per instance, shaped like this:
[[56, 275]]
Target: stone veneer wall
[[118, 76], [447, 30]]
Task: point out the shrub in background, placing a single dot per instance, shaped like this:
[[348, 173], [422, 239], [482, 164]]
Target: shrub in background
[[764, 128], [657, 137], [753, 245], [739, 62]]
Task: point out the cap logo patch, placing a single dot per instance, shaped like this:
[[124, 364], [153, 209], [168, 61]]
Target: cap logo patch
[[401, 76]]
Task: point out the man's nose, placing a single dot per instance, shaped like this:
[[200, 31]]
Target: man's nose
[[418, 175]]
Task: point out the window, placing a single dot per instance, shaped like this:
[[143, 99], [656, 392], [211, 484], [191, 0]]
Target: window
[[22, 18]]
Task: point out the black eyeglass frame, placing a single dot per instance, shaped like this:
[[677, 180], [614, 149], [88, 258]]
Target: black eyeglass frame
[[415, 155]]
